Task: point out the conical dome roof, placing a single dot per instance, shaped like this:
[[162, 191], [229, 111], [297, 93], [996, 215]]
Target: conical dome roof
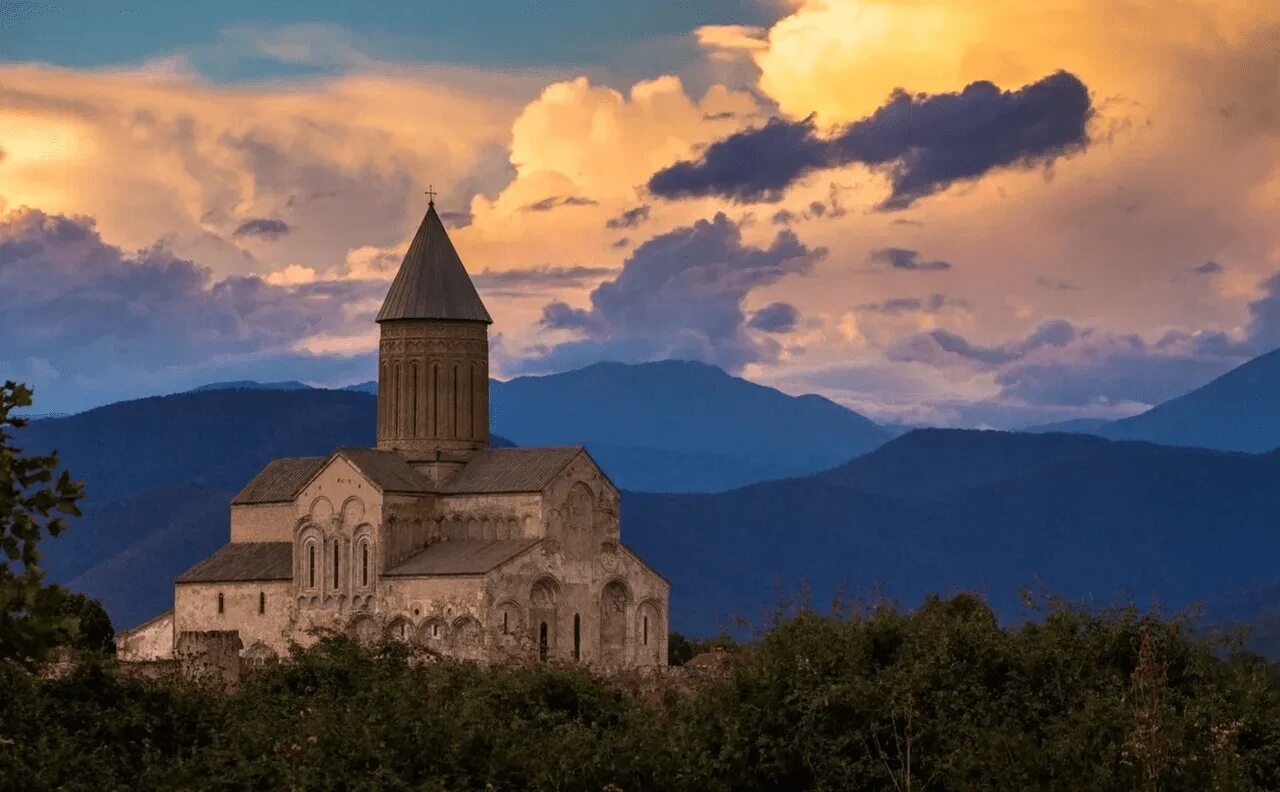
[[432, 283]]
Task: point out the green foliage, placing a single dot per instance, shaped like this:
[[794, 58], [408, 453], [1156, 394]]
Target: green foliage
[[940, 698], [32, 505]]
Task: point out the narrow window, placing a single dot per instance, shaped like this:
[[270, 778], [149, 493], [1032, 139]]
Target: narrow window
[[311, 566], [542, 642], [646, 630], [221, 604], [364, 564], [506, 627], [577, 637], [413, 400], [262, 602], [335, 563], [457, 402], [435, 631]]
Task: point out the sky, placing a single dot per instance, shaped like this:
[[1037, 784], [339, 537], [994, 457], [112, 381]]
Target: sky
[[945, 212]]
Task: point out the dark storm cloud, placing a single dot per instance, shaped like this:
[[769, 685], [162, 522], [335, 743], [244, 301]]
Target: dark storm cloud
[[629, 218], [78, 310], [906, 259], [924, 143], [456, 219], [779, 317], [1209, 268], [679, 295], [556, 201], [263, 227]]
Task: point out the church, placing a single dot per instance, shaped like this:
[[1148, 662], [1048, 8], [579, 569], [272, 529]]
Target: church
[[433, 537]]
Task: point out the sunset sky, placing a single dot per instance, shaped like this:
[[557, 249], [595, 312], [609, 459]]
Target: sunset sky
[[931, 211]]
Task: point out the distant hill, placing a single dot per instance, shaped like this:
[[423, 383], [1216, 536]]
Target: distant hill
[[1072, 426], [254, 385], [1239, 411], [678, 426], [940, 510]]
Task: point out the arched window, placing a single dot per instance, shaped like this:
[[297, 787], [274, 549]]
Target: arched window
[[221, 604], [335, 562], [506, 623], [311, 565], [577, 637], [646, 631], [262, 602], [364, 563], [542, 642]]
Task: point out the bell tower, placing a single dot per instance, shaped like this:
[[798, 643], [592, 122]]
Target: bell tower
[[433, 357]]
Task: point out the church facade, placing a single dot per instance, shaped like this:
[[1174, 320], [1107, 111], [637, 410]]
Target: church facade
[[432, 537]]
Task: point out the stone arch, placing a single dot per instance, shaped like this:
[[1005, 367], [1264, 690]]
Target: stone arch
[[364, 559], [457, 529], [465, 638], [309, 572], [433, 633], [513, 528], [615, 600], [352, 510], [544, 600], [487, 530], [399, 629], [320, 510], [363, 629], [650, 632]]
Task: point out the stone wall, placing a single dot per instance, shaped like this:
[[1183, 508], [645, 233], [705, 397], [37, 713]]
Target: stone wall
[[209, 656], [196, 610], [263, 522], [150, 641]]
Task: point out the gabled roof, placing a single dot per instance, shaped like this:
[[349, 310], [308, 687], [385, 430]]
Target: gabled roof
[[386, 469], [243, 561], [461, 557], [511, 470], [432, 283], [280, 481]]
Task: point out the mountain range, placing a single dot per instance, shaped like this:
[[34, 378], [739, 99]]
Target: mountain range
[[1239, 411], [675, 426], [1086, 517]]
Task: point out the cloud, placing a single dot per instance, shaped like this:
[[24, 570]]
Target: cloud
[[679, 295], [923, 143], [105, 322], [778, 317], [262, 227], [905, 259], [932, 304], [1209, 268], [555, 201], [541, 278], [630, 218]]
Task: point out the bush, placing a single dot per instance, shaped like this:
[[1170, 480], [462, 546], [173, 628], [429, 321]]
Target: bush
[[940, 698]]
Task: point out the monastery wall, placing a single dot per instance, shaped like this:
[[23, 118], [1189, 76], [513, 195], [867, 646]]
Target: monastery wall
[[263, 522], [262, 611]]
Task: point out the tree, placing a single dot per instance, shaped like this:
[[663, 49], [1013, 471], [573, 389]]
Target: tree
[[32, 504]]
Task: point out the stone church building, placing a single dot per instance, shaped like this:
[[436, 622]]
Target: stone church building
[[433, 536]]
